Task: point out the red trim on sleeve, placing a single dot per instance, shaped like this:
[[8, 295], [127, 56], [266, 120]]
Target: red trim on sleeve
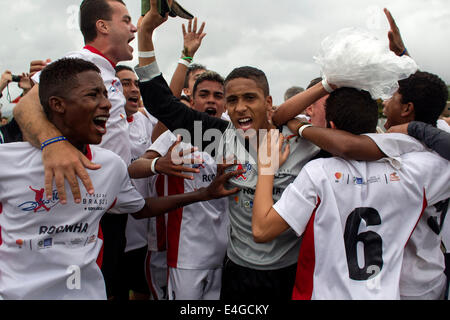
[[304, 282], [113, 205], [94, 50], [100, 254], [176, 186], [424, 206], [161, 228]]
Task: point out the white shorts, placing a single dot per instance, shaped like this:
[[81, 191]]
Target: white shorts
[[187, 284], [156, 273]]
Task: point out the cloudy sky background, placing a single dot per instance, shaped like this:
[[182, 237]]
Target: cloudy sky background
[[281, 37]]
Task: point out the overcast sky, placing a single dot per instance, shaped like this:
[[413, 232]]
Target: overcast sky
[[281, 37]]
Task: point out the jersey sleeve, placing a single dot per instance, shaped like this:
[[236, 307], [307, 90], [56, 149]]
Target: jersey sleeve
[[298, 202], [437, 186], [163, 143], [128, 200], [395, 144]]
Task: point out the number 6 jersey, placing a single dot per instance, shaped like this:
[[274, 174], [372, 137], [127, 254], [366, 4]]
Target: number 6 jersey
[[356, 218]]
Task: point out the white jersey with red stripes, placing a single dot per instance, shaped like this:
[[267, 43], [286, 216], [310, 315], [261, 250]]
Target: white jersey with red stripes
[[116, 138], [49, 250], [356, 218], [141, 128], [423, 260], [197, 233]]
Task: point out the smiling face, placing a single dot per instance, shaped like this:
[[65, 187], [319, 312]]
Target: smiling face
[[209, 97], [85, 110], [131, 91], [121, 32], [247, 105]]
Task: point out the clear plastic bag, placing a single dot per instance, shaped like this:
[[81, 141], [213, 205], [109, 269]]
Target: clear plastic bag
[[356, 58]]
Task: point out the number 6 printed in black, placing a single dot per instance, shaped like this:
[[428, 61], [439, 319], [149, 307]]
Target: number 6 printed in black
[[373, 244]]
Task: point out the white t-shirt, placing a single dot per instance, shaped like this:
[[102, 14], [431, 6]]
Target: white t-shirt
[[356, 218], [423, 261], [116, 138], [44, 245], [197, 233], [141, 127]]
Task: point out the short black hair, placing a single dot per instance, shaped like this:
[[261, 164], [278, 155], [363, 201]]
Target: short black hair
[[192, 68], [352, 110], [207, 76], [314, 82], [122, 67], [90, 12], [251, 73], [59, 78], [427, 92]]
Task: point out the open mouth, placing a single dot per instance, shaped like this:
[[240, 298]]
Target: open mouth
[[133, 100], [211, 111], [100, 124], [245, 123]]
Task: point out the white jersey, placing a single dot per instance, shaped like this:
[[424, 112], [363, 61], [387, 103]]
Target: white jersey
[[356, 218], [141, 127], [197, 233], [423, 261], [116, 138], [48, 250]]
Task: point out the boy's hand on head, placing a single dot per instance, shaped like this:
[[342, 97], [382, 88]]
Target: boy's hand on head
[[62, 161]]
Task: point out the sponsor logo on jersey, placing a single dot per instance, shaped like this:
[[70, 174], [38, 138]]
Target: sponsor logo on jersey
[[374, 179], [236, 199], [338, 176], [250, 191], [243, 176], [394, 177], [208, 177], [19, 242], [115, 86], [358, 181], [39, 204], [45, 244], [248, 204], [79, 228]]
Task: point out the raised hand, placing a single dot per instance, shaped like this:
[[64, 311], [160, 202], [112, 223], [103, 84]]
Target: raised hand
[[152, 19], [192, 38], [38, 65], [395, 39], [270, 153]]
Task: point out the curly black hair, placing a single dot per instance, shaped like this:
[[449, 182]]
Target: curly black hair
[[427, 92]]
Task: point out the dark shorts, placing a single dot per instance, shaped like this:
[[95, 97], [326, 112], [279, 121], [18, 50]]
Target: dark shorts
[[114, 242], [241, 283], [133, 272]]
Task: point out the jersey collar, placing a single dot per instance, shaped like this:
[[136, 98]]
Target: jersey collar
[[88, 153], [94, 50]]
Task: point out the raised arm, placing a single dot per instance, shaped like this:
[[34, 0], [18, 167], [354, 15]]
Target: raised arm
[[267, 224], [340, 143], [395, 38], [192, 42], [297, 104], [61, 160]]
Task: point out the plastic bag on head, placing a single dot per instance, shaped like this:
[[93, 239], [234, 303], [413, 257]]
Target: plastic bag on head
[[355, 58]]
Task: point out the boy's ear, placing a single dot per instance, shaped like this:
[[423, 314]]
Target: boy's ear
[[269, 108], [102, 27], [57, 104], [407, 109], [309, 111]]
